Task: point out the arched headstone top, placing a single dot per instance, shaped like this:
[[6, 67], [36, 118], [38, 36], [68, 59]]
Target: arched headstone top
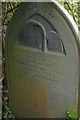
[[37, 9]]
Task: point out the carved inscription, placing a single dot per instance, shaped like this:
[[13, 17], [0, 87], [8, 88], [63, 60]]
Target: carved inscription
[[35, 66]]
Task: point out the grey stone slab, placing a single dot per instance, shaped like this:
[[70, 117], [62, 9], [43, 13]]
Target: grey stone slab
[[43, 58]]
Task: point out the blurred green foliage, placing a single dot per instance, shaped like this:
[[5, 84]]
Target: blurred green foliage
[[8, 8], [73, 9], [72, 114]]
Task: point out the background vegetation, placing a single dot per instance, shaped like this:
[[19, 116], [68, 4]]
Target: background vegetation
[[8, 9]]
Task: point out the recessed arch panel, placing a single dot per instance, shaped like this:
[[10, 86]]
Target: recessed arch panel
[[32, 35]]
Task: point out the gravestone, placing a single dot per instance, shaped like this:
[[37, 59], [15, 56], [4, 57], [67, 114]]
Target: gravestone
[[42, 57]]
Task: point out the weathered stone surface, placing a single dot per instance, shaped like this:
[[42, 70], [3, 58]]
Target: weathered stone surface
[[42, 76]]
